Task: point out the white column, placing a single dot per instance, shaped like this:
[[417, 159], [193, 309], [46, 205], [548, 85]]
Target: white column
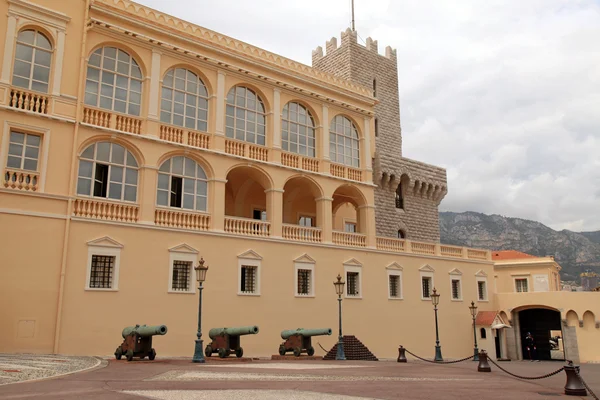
[[366, 145], [325, 133], [154, 85], [9, 47], [219, 129], [276, 118], [58, 63]]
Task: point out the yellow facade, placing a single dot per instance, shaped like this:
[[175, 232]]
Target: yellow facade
[[71, 214]]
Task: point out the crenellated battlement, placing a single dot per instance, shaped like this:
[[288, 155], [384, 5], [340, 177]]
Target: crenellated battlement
[[350, 38]]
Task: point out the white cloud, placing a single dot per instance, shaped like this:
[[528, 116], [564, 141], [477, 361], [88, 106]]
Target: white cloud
[[504, 94]]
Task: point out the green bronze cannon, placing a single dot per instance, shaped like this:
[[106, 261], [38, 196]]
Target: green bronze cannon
[[226, 341], [137, 341], [299, 341]]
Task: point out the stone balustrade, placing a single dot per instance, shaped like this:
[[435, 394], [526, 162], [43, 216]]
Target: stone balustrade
[[29, 101], [181, 219], [105, 210], [247, 227], [301, 233], [21, 179], [349, 239]]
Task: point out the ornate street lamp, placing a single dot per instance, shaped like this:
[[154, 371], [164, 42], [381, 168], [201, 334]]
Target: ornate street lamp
[[435, 299], [200, 277], [339, 290], [473, 309]]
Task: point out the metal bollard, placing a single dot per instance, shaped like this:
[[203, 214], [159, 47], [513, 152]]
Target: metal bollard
[[401, 354], [573, 387], [483, 362]]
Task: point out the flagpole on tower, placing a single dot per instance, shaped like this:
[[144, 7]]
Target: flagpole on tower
[[353, 15]]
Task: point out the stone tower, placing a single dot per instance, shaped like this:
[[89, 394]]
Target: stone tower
[[408, 192]]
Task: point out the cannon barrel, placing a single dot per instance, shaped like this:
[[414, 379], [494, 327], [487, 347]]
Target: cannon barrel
[[305, 332], [238, 331], [144, 330]]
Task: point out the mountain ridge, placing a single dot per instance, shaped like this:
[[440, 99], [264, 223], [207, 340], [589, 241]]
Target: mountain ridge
[[576, 252]]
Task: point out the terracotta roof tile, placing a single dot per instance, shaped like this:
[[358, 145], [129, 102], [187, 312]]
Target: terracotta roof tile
[[485, 318], [510, 255]]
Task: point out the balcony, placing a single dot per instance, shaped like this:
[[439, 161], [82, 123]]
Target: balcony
[[247, 150], [112, 120], [181, 219], [349, 239], [179, 135], [21, 179], [247, 227], [299, 233], [105, 210], [300, 162], [29, 101], [342, 171]]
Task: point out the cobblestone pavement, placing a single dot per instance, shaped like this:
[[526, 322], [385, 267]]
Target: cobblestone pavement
[[165, 379], [24, 367]]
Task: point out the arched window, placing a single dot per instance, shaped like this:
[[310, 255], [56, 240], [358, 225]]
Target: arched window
[[108, 170], [399, 197], [343, 142], [245, 115], [298, 130], [114, 81], [184, 100], [483, 333], [32, 61], [401, 234], [182, 183], [376, 127], [374, 87]]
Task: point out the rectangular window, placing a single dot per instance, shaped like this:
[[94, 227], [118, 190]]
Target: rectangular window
[[481, 290], [306, 221], [248, 279], [101, 180], [521, 285], [394, 285], [23, 151], [426, 286], [352, 284], [350, 227], [304, 282], [176, 191], [181, 276], [101, 273], [456, 295]]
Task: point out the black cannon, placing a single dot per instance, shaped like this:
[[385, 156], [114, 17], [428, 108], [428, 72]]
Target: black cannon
[[299, 341], [137, 341], [226, 341]]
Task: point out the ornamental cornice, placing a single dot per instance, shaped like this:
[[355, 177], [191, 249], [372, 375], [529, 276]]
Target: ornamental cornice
[[159, 19]]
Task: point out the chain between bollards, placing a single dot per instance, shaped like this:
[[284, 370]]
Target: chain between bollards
[[576, 370], [402, 357], [527, 377]]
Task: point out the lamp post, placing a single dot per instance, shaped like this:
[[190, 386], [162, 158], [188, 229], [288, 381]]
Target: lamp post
[[435, 299], [473, 309], [200, 277], [339, 289]]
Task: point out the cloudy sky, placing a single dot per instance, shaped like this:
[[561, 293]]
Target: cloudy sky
[[504, 94]]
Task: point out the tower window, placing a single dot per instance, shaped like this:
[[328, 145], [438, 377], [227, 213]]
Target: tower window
[[401, 234], [399, 197], [376, 127], [374, 88]]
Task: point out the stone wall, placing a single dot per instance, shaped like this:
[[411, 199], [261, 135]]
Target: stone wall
[[424, 185]]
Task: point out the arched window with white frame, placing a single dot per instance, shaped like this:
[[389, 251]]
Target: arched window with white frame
[[245, 116], [108, 170], [344, 142], [33, 57], [184, 100], [182, 183], [114, 81], [298, 130]]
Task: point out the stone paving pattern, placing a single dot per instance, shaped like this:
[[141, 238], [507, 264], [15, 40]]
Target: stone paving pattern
[[161, 379], [24, 367]]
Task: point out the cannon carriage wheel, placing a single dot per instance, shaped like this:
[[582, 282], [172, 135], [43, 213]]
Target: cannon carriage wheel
[[223, 353], [282, 350], [310, 351], [118, 353], [297, 351], [208, 350], [239, 352], [129, 355], [152, 354]]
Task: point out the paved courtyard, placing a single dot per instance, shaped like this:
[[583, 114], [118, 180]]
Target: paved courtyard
[[176, 379]]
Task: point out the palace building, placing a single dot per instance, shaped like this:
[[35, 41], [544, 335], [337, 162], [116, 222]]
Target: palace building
[[134, 144]]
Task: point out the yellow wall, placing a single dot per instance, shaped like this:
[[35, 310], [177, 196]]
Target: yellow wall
[[507, 271]]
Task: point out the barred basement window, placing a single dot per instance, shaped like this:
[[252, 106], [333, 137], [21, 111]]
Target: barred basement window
[[352, 284], [101, 274], [181, 275], [481, 290], [394, 283], [426, 285], [456, 289], [248, 279], [521, 285], [304, 281]]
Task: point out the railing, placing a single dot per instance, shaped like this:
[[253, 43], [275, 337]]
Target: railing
[[21, 180], [290, 160], [341, 171], [355, 174], [180, 219], [338, 170], [198, 139], [451, 251], [477, 254], [98, 209], [258, 153], [128, 124], [247, 227], [171, 134], [235, 148], [391, 244], [310, 164], [423, 248], [29, 101], [297, 161], [349, 239], [97, 117], [301, 233]]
